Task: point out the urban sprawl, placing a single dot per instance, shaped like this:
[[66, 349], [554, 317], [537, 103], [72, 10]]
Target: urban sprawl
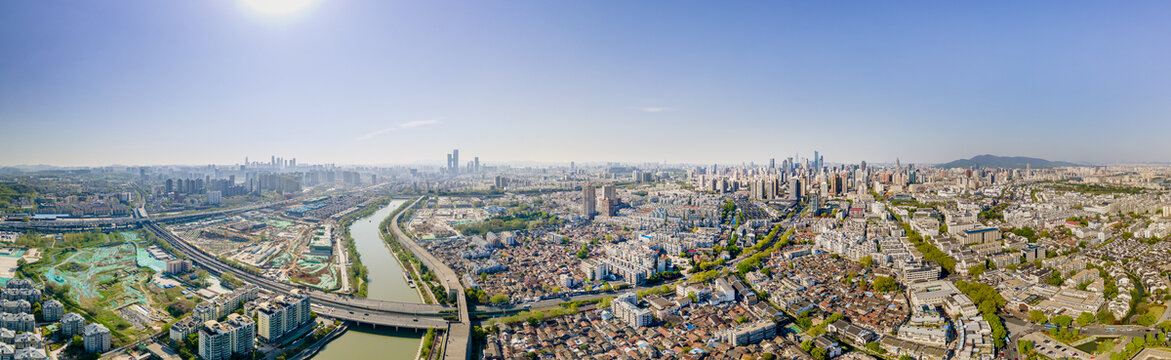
[[796, 258]]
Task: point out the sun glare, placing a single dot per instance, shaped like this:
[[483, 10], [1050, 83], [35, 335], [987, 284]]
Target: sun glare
[[277, 7]]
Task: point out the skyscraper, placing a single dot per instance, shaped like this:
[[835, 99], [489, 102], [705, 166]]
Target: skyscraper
[[455, 161], [795, 190], [477, 168], [609, 192], [588, 201]]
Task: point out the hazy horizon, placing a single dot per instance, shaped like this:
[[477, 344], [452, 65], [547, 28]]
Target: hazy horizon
[[374, 82], [518, 163]]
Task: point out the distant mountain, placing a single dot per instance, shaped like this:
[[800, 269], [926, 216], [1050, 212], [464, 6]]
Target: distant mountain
[[1012, 162]]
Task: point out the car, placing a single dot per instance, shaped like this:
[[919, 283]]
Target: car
[[415, 319]]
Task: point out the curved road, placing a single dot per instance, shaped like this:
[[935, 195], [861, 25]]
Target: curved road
[[346, 302], [458, 334]]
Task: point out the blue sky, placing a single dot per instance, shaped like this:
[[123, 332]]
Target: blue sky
[[385, 82]]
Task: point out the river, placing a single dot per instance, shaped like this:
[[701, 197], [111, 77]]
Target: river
[[386, 283]]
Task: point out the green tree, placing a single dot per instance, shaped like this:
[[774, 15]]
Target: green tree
[[977, 270], [1025, 346], [1165, 326], [998, 330], [867, 261], [499, 299], [230, 279], [1062, 320], [885, 284], [1038, 317], [1105, 317], [202, 277], [1085, 319], [875, 348], [1055, 279], [1147, 319], [818, 353]]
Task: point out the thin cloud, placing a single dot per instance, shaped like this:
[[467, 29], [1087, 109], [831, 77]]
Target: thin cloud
[[655, 109], [406, 125], [418, 123]]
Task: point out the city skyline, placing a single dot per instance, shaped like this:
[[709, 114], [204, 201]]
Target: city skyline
[[380, 83]]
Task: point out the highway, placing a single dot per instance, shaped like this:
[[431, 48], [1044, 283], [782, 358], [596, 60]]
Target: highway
[[381, 318], [126, 222], [459, 333], [376, 309], [343, 307]]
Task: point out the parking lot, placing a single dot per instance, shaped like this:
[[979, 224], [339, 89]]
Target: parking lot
[[1053, 349]]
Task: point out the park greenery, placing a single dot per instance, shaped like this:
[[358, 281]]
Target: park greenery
[[56, 251], [1095, 189], [930, 252], [10, 195], [515, 219], [989, 302], [754, 261]]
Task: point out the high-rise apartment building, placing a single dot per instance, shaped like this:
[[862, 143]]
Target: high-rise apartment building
[[589, 201], [625, 307], [221, 340], [72, 324], [281, 315], [96, 338], [52, 310]]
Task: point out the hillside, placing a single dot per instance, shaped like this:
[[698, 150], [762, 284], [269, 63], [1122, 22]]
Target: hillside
[[1012, 162]]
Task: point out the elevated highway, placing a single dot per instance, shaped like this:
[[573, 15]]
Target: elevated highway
[[343, 307], [74, 225], [218, 267], [459, 333]]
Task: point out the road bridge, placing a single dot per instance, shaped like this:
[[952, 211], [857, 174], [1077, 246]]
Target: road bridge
[[338, 306], [214, 265]]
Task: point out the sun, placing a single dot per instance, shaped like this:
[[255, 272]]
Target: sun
[[277, 7]]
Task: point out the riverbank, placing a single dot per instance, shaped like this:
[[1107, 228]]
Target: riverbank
[[358, 274], [405, 262], [317, 346], [385, 282], [419, 273]]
